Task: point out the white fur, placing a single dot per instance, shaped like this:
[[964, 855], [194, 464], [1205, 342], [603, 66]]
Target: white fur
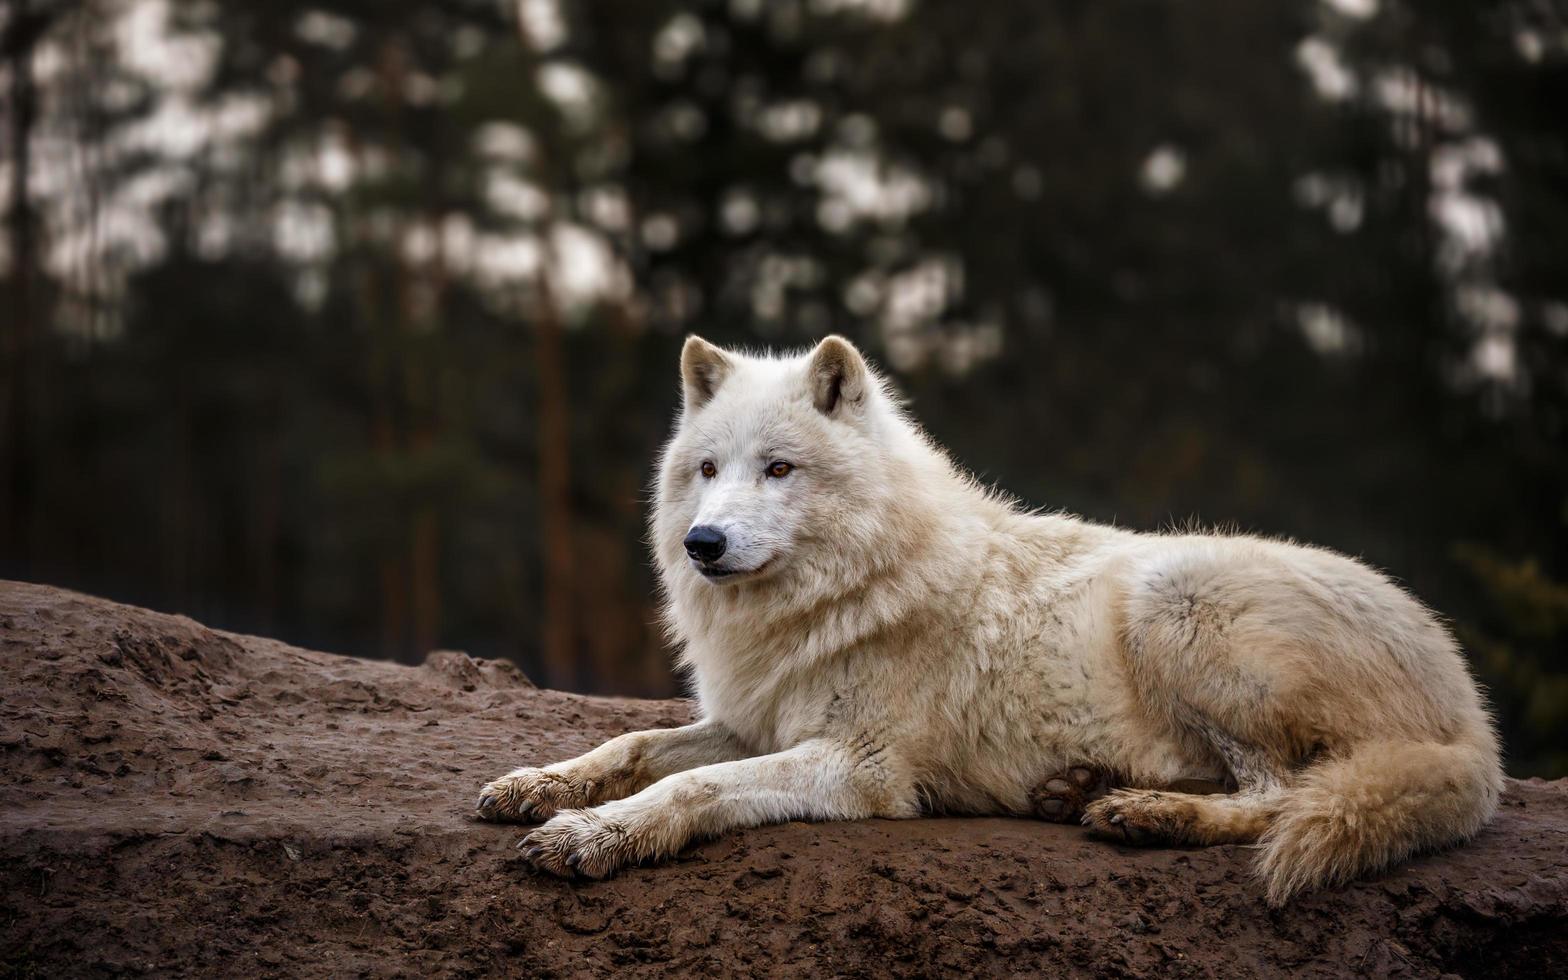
[[899, 640]]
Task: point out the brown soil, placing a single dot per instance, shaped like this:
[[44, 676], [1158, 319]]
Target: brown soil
[[177, 800]]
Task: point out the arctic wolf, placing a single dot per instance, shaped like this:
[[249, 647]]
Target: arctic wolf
[[872, 634]]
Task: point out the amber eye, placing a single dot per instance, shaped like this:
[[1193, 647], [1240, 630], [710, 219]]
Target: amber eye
[[709, 470], [779, 469]]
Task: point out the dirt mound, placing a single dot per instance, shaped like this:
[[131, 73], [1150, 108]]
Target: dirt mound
[[178, 800]]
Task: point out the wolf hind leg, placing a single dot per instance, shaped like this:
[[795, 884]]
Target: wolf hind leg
[[1207, 665], [1157, 816], [1170, 816], [1151, 816]]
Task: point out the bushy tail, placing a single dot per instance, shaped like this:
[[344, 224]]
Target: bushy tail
[[1381, 802]]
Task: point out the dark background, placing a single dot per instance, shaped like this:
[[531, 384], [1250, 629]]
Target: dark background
[[355, 322]]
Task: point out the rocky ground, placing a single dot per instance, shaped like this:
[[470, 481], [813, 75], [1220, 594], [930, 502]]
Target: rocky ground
[[176, 800]]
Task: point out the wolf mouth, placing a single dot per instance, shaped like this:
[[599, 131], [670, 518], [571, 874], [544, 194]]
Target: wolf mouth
[[714, 574]]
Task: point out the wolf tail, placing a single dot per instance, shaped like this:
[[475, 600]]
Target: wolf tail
[[1376, 804]]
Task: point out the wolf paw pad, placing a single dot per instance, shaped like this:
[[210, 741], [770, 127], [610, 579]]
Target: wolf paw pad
[[526, 795], [1062, 797]]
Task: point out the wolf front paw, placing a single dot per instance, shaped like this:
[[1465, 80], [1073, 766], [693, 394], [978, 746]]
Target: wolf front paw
[[581, 842], [1063, 797], [1140, 817], [527, 795]]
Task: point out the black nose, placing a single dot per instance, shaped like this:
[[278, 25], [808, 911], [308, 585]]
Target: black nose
[[705, 543]]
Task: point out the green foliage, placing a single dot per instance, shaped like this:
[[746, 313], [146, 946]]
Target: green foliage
[[1519, 637]]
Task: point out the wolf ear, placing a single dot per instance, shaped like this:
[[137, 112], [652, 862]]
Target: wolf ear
[[703, 367], [838, 376]]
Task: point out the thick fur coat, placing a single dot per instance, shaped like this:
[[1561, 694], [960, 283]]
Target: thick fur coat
[[871, 633]]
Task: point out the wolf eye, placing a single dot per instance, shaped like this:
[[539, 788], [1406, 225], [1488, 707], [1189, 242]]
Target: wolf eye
[[779, 469], [709, 471]]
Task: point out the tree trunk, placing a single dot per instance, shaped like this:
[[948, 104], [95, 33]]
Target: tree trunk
[[16, 339], [555, 503]]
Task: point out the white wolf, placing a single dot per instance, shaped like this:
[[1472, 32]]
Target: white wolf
[[872, 634]]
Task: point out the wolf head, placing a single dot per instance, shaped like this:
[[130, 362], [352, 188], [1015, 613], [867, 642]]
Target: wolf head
[[783, 474]]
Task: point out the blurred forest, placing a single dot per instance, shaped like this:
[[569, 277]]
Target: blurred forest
[[355, 322]]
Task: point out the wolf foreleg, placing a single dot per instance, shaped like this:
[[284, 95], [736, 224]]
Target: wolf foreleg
[[620, 767], [817, 780]]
